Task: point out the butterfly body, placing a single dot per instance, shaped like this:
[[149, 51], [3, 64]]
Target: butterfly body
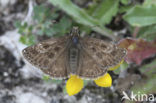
[[86, 57], [75, 40], [73, 59]]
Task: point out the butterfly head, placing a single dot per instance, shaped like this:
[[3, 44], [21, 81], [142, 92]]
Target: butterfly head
[[75, 35]]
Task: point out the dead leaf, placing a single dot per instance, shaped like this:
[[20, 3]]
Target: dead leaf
[[138, 49]]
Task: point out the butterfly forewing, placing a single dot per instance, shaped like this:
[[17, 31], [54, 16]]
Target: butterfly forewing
[[49, 56]]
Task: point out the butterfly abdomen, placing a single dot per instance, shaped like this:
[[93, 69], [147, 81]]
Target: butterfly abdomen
[[73, 59]]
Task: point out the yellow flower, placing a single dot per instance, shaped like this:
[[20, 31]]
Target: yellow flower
[[104, 81], [74, 85], [115, 67]]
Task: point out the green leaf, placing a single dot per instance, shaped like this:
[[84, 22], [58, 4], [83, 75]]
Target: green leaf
[[81, 16], [149, 3], [125, 2], [85, 82], [46, 78], [49, 32], [149, 69], [141, 16], [42, 13], [39, 12], [117, 71], [124, 9], [17, 24], [40, 32], [60, 28], [91, 8], [123, 66], [25, 25], [27, 39], [23, 28], [56, 81], [55, 30], [47, 24], [106, 10], [147, 84], [64, 90], [148, 33], [65, 23]]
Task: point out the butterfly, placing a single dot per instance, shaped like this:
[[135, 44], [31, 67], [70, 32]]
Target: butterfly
[[85, 57]]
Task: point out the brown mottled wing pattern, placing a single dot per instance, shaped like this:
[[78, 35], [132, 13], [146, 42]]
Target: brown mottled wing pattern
[[99, 56], [49, 56], [88, 67]]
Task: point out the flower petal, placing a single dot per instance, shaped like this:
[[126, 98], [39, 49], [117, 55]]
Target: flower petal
[[115, 67], [104, 81], [74, 85]]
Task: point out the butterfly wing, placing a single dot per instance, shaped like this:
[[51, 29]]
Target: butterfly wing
[[88, 66], [105, 53], [50, 56], [98, 56]]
